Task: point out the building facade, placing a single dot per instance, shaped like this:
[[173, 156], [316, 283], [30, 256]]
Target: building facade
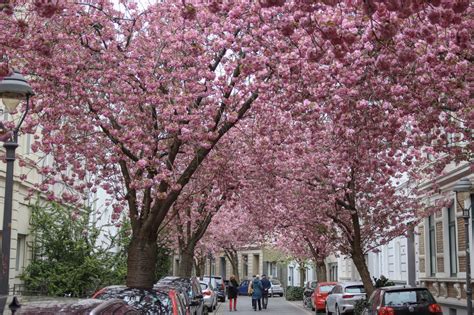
[[442, 246]]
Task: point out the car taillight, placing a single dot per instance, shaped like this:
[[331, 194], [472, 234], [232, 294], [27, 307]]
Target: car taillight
[[386, 311], [347, 296], [206, 292], [435, 309]]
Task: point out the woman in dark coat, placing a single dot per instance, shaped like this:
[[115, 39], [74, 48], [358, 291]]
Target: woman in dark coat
[[257, 293], [232, 292]]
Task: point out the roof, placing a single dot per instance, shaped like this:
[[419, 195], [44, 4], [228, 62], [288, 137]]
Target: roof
[[348, 284], [402, 288]]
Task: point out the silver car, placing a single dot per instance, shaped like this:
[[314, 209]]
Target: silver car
[[343, 296], [210, 296], [276, 288]]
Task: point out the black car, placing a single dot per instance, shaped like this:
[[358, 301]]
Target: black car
[[218, 285], [145, 301], [308, 291], [402, 300], [72, 306], [191, 286]]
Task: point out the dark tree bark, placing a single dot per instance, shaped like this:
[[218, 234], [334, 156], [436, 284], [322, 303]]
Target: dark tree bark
[[185, 268], [231, 254], [191, 233], [321, 271], [200, 265], [302, 272], [142, 255]]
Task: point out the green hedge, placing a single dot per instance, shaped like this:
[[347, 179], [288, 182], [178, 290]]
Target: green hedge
[[294, 293]]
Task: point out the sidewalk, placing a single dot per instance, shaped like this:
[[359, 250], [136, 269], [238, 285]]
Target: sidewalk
[[277, 306]]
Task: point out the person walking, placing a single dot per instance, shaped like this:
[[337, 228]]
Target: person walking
[[257, 293], [266, 285], [232, 292]]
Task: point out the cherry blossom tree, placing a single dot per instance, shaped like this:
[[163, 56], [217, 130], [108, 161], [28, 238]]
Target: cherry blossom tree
[[134, 100]]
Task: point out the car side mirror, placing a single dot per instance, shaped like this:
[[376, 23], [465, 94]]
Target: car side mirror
[[330, 292]]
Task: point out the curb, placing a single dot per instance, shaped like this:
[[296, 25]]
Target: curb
[[300, 307]]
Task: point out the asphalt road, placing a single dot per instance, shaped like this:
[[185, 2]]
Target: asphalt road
[[276, 306]]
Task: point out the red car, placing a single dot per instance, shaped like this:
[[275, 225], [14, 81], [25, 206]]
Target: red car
[[320, 294]]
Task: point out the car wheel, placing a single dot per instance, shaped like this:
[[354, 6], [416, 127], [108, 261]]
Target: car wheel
[[281, 295], [327, 311]]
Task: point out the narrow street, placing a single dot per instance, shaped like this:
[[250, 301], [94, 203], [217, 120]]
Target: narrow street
[[276, 306]]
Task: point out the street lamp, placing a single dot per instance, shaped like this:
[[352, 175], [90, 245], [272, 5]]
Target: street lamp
[[462, 186], [210, 267], [13, 90]]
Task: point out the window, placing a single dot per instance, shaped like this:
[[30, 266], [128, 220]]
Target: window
[[333, 272], [20, 251], [290, 276], [452, 242], [325, 288], [432, 243], [355, 289]]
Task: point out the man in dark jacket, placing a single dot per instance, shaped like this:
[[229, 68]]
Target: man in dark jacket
[[266, 286]]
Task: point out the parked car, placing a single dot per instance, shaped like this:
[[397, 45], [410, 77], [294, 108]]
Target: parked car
[[320, 294], [276, 288], [218, 285], [145, 301], [402, 300], [191, 286], [76, 307], [244, 287], [343, 296], [210, 296], [308, 291]]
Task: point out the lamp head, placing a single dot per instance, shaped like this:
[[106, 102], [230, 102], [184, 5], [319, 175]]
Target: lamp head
[[13, 89], [462, 185]]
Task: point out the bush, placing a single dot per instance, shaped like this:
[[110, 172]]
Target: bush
[[359, 306], [383, 282], [379, 283], [294, 293]]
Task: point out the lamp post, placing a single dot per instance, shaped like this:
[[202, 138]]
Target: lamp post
[[464, 185], [210, 267], [13, 89]]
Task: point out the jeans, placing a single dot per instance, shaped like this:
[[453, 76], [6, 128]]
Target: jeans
[[255, 302]]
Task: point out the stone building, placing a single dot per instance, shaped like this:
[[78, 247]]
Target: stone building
[[441, 244]]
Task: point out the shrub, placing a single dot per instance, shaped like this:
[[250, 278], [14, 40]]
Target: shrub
[[294, 293], [359, 306], [379, 283]]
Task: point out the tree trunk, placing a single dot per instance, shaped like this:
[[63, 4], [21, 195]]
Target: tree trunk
[[359, 262], [185, 268], [199, 265], [234, 262], [321, 271], [142, 255], [302, 275]]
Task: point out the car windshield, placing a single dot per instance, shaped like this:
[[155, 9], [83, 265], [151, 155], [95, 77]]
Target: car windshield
[[408, 297], [275, 282], [355, 289], [326, 288]]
